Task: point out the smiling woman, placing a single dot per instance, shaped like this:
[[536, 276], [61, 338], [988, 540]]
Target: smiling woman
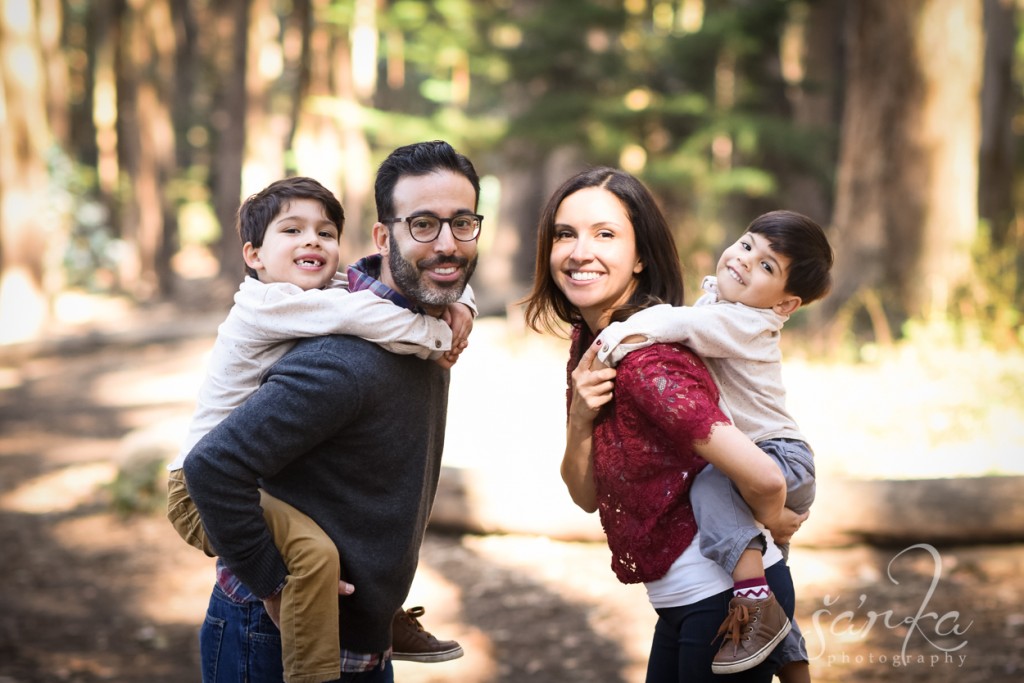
[[638, 222], [593, 258]]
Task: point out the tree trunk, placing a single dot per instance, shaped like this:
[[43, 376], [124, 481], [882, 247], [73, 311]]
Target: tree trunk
[[145, 68], [25, 138], [355, 170], [906, 199], [999, 102], [815, 98], [229, 130], [319, 150], [267, 126]]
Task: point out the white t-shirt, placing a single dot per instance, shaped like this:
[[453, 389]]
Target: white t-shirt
[[693, 577]]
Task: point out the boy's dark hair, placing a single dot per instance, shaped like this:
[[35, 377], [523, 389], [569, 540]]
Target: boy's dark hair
[[418, 159], [803, 242], [256, 213]]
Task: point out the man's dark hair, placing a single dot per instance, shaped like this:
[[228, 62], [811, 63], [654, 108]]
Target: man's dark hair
[[258, 211], [418, 159], [804, 243]]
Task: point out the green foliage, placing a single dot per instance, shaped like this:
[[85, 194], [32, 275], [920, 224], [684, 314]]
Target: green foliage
[[90, 248], [601, 76], [141, 483], [989, 306]]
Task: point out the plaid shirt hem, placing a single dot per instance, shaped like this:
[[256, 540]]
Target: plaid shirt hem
[[351, 662]]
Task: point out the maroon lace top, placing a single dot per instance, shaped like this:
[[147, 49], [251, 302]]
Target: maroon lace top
[[644, 462]]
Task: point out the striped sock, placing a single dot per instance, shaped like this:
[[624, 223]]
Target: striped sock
[[752, 589]]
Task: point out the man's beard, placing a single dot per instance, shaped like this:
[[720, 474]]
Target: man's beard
[[408, 277]]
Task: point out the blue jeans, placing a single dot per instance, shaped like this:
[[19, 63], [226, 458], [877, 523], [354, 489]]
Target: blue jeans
[[684, 638], [238, 643]]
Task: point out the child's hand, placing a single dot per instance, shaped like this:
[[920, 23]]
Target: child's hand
[[788, 524], [460, 318], [273, 604], [273, 607]]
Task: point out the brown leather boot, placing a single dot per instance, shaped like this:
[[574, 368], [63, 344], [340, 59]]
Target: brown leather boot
[[749, 634], [411, 643]]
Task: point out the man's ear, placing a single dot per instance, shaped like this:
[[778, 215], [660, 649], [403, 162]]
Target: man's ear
[[251, 255], [788, 305], [380, 238]]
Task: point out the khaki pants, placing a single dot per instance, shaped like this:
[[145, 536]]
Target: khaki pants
[[309, 603]]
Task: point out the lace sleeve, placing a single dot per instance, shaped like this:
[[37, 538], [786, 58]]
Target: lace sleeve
[[671, 386]]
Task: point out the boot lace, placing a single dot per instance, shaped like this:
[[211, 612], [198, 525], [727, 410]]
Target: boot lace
[[412, 614], [734, 625]]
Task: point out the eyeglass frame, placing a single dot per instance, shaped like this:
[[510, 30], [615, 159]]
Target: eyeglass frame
[[440, 226]]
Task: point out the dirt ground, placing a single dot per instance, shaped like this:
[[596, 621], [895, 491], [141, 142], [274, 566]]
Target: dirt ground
[[88, 594]]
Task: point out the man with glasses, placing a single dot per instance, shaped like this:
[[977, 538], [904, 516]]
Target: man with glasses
[[348, 433]]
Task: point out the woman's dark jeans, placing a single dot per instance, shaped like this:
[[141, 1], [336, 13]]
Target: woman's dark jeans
[[684, 638]]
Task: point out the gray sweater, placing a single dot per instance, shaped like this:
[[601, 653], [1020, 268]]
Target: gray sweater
[[351, 435]]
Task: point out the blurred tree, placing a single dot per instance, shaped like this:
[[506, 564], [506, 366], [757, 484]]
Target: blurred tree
[[226, 60], [995, 295], [906, 198], [28, 221], [724, 108], [811, 64], [342, 72], [145, 61], [1000, 99], [691, 96]]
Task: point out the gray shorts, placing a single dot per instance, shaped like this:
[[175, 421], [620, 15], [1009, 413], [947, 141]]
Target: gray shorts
[[726, 523]]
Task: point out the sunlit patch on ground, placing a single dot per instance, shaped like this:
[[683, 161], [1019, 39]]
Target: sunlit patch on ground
[[60, 491], [104, 596]]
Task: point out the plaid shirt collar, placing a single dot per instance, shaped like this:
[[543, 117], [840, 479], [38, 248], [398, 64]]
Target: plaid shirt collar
[[365, 274]]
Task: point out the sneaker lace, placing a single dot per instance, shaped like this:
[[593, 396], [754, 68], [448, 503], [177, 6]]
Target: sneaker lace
[[733, 626], [412, 614]]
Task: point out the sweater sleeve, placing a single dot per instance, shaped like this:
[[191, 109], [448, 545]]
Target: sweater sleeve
[[287, 312], [719, 330], [298, 406]]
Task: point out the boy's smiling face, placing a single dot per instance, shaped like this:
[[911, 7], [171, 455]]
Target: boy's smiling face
[[300, 246], [750, 272]]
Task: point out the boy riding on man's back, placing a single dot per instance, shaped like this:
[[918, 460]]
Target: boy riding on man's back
[[291, 231]]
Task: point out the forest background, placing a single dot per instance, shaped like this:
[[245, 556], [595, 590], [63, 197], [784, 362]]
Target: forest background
[[130, 130]]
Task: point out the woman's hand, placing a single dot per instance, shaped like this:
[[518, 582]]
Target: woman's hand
[[592, 384]]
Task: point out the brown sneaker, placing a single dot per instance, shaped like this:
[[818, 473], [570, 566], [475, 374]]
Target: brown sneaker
[[749, 634], [411, 643]]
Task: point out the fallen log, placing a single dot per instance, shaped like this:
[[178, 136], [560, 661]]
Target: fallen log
[[847, 511]]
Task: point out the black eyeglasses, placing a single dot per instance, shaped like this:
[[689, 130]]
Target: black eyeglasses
[[426, 228]]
